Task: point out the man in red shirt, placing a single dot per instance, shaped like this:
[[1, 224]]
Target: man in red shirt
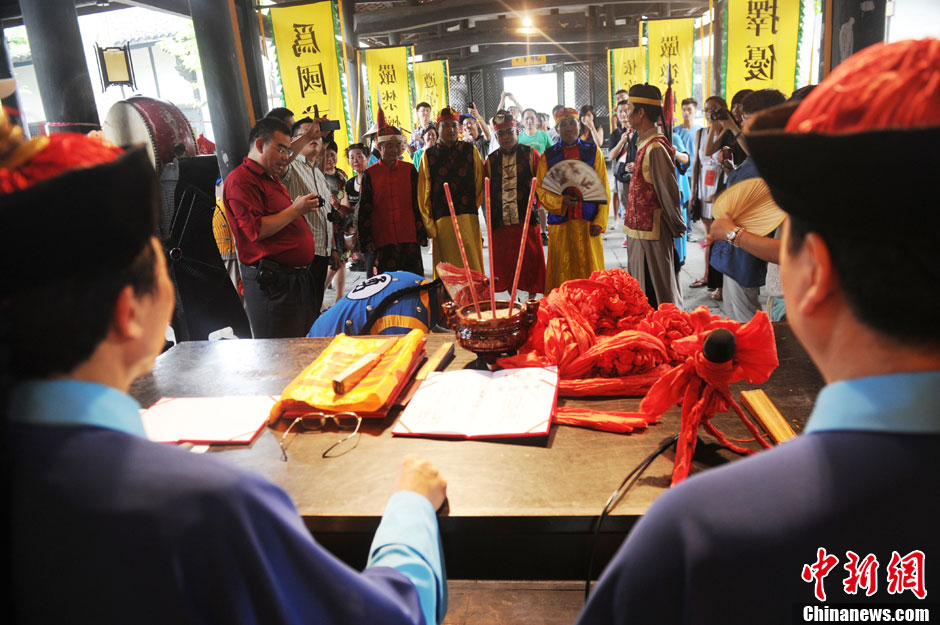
[[275, 245]]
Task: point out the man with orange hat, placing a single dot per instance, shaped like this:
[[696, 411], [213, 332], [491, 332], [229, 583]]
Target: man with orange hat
[[120, 528], [653, 216], [575, 249], [840, 523], [511, 169], [457, 163], [390, 224]]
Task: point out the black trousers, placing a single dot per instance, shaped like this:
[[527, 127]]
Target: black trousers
[[318, 269], [283, 306]]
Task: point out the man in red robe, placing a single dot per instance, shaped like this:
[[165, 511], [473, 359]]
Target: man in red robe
[[511, 169], [390, 222]]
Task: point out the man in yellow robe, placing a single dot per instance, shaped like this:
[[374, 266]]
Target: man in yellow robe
[[575, 249], [457, 163]]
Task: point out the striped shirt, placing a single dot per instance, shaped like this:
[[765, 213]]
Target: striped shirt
[[302, 179]]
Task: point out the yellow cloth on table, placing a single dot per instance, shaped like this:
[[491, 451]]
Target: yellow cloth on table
[[312, 389], [749, 204]]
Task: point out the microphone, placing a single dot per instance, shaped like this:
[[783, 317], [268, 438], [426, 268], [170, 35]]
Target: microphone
[[719, 346]]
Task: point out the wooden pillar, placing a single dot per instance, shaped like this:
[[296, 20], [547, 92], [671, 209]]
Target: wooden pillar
[[226, 77], [249, 30], [353, 82], [59, 57]]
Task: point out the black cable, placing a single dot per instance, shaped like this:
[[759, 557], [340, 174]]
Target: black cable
[[614, 499]]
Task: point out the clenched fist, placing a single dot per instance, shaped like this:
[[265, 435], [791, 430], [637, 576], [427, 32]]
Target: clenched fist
[[420, 476]]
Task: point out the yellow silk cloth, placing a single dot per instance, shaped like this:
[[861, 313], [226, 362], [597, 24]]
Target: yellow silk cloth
[[312, 389], [444, 246], [750, 205], [572, 253]]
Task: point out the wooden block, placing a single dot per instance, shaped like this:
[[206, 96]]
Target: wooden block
[[759, 405], [443, 352], [352, 374]]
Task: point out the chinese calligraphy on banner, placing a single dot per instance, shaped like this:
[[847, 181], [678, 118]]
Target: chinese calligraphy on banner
[[627, 67], [389, 79], [763, 37], [308, 40], [669, 43], [432, 80]]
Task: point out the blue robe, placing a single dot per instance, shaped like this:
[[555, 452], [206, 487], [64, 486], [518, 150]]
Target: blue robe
[[358, 311], [685, 189], [728, 545], [109, 527]]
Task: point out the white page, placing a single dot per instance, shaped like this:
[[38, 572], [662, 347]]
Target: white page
[[480, 403], [233, 419]]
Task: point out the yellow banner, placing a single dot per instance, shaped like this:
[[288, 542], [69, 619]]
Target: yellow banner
[[670, 48], [432, 80], [309, 51], [763, 38], [389, 80], [627, 67]]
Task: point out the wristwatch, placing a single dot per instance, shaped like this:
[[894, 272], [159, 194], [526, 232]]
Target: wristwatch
[[732, 237]]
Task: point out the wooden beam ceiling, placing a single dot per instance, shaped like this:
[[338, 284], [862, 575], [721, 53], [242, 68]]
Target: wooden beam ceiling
[[618, 38], [477, 33], [501, 55], [404, 18]]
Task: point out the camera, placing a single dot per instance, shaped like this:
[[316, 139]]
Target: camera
[[329, 125], [720, 114], [334, 216]]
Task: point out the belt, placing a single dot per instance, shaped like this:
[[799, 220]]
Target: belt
[[273, 265]]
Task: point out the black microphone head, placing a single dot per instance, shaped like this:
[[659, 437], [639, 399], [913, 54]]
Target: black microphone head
[[719, 345]]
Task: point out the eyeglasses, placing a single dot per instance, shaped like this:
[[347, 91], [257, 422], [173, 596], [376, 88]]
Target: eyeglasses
[[282, 150], [347, 421]]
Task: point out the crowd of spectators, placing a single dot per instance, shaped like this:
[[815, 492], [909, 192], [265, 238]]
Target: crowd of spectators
[[708, 152]]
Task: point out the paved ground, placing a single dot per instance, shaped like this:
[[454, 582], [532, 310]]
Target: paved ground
[[615, 255]]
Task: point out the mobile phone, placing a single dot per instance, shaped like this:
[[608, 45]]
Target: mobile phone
[[329, 125]]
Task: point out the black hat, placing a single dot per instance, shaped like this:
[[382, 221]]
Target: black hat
[[85, 221], [855, 155], [858, 181], [854, 158]]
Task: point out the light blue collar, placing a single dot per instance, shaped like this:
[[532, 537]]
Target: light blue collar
[[907, 403], [70, 402]]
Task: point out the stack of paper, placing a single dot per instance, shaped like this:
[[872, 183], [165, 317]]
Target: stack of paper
[[207, 419]]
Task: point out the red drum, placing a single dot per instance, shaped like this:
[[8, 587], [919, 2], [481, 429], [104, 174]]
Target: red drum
[[158, 124]]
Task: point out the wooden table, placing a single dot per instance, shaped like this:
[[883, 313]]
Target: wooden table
[[537, 499]]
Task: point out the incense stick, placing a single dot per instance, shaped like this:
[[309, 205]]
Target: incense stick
[[525, 234], [463, 252], [489, 239]]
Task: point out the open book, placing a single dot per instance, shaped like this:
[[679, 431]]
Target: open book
[[482, 404]]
